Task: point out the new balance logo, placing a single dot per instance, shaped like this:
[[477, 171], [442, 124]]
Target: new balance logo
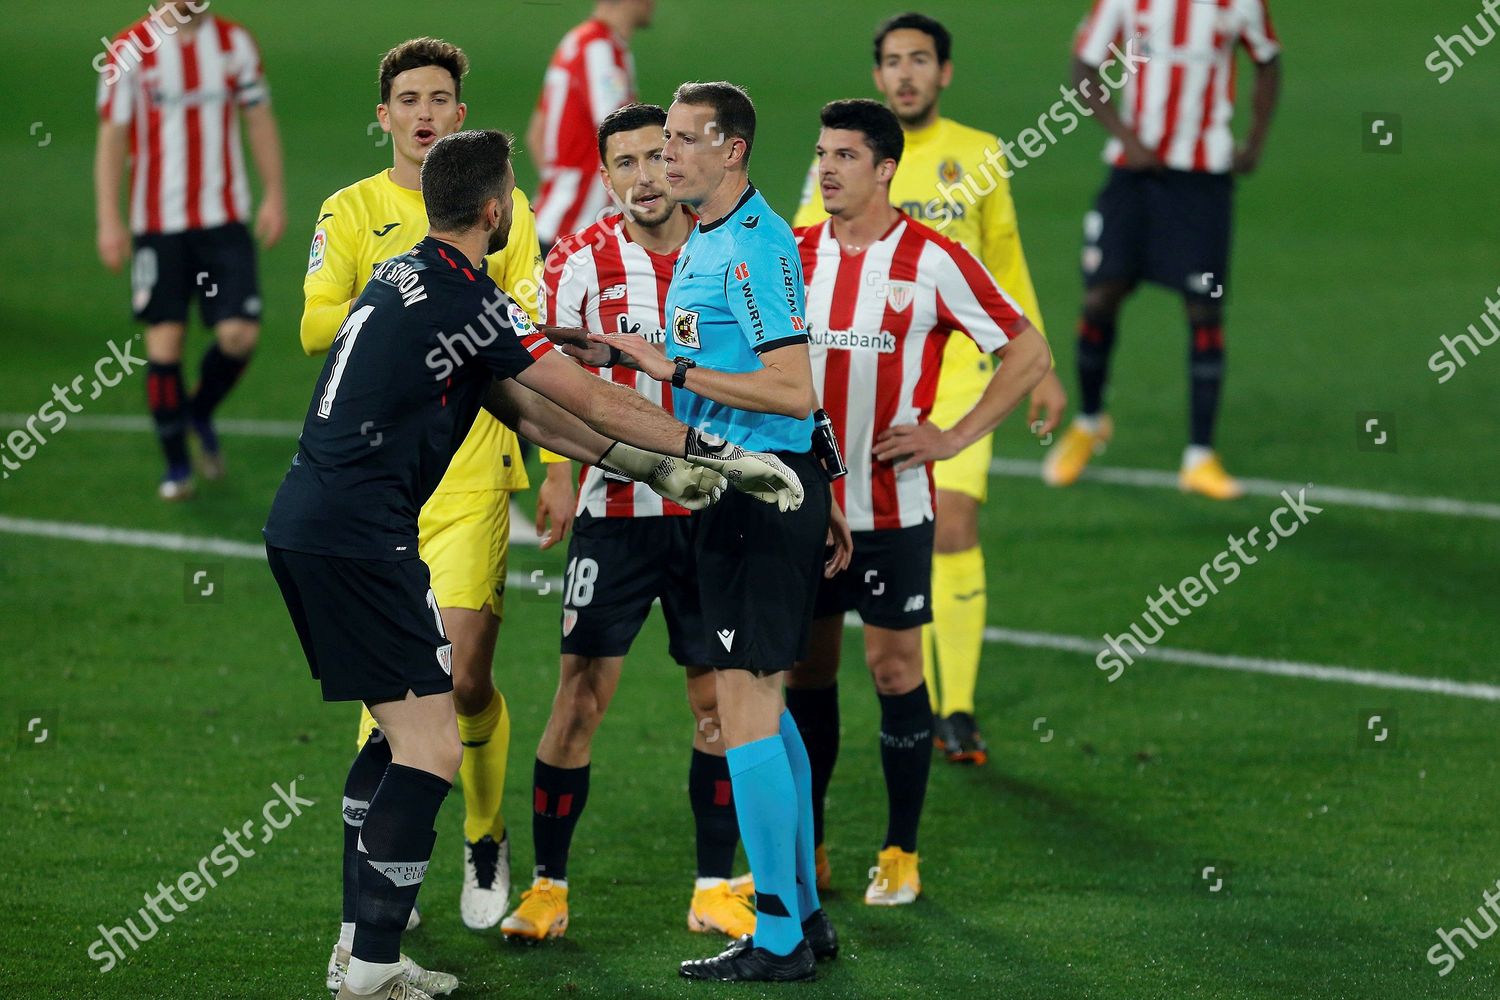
[[385, 229], [354, 809], [916, 603], [726, 636]]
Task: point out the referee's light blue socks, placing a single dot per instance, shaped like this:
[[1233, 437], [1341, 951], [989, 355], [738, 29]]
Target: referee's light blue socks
[[807, 871], [766, 799]]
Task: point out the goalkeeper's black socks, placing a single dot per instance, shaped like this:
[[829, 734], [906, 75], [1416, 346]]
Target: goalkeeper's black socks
[[712, 796], [359, 788], [557, 800], [1096, 341], [165, 397], [906, 757], [817, 714], [395, 846], [1206, 377]]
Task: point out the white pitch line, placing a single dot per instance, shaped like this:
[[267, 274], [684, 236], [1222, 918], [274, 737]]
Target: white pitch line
[[286, 430], [169, 542], [1333, 495]]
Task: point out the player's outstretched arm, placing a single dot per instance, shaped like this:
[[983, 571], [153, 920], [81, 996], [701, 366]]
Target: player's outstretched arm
[[539, 419], [639, 425], [113, 238], [1026, 360]]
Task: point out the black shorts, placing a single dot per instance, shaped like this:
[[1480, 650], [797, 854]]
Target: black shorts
[[1170, 228], [617, 566], [889, 579], [370, 629], [217, 265], [758, 573]]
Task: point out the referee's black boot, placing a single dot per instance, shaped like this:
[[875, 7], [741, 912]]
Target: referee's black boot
[[820, 935], [742, 962]]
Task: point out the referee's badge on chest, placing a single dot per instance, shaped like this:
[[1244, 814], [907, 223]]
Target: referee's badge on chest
[[685, 328]]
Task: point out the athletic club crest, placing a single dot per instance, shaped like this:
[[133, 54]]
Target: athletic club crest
[[949, 172], [898, 294], [570, 620]]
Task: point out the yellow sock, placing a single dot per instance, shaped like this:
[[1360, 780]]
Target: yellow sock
[[929, 667], [959, 604], [486, 740]]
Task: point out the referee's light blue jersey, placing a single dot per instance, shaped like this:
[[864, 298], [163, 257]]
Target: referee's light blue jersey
[[737, 291]]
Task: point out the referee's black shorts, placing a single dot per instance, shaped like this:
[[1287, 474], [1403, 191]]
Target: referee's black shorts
[[758, 573], [370, 628], [1171, 228]]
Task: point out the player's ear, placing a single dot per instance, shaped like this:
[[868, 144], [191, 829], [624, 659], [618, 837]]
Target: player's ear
[[945, 75], [463, 112], [879, 83], [383, 116]]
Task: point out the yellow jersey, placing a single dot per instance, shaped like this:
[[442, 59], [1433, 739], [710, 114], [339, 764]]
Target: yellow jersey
[[950, 179], [376, 219]]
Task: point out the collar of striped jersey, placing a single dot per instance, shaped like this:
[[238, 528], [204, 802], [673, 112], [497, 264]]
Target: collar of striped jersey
[[738, 206]]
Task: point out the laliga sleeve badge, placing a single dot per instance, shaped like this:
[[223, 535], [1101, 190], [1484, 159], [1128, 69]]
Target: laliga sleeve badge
[[523, 325], [318, 251], [685, 328]]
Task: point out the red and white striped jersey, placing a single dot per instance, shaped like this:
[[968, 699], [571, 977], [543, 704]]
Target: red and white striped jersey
[[605, 282], [180, 91], [1180, 101], [878, 323], [592, 73]]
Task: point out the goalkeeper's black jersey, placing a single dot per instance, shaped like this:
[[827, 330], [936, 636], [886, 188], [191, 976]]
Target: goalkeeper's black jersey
[[398, 393]]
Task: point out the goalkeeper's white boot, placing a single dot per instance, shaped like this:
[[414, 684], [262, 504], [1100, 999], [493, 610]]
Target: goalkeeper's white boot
[[486, 892], [426, 982]]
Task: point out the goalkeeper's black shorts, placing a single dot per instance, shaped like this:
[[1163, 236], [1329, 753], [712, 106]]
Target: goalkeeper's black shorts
[[889, 579], [619, 566], [758, 573], [370, 628]]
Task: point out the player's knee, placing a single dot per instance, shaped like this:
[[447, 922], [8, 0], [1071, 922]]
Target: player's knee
[[1102, 302], [577, 713], [958, 533], [237, 338], [448, 754], [473, 690], [895, 673]]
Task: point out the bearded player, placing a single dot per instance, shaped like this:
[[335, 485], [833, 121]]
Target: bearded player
[[884, 295], [465, 526]]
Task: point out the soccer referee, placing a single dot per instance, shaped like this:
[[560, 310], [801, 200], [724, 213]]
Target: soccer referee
[[737, 358]]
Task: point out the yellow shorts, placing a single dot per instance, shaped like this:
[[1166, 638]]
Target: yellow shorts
[[464, 538], [960, 384]]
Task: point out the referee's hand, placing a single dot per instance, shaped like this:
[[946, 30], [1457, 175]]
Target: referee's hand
[[763, 476]]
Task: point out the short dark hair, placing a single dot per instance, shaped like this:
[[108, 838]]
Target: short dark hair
[[941, 38], [878, 123], [628, 119], [734, 112], [461, 172], [418, 52]]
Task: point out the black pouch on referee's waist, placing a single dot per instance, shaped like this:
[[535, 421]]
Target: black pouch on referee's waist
[[826, 447]]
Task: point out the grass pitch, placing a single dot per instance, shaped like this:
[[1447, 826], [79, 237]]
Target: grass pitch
[[1073, 865]]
